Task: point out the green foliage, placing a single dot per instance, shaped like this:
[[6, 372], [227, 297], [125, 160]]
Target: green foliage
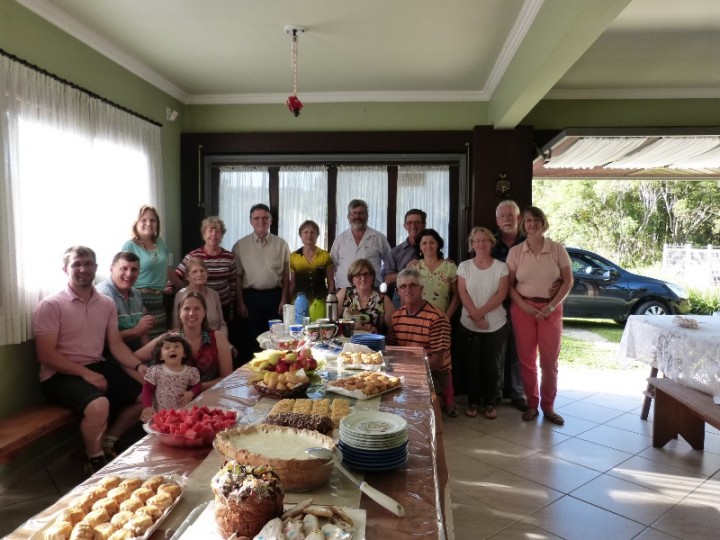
[[630, 220], [704, 302]]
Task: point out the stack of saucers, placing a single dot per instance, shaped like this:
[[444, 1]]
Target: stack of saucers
[[373, 441], [375, 342]]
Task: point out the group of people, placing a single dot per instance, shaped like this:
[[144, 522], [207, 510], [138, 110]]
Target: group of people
[[106, 352]]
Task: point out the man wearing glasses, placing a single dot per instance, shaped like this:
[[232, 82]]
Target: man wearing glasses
[[420, 324], [404, 252], [263, 280], [359, 242]]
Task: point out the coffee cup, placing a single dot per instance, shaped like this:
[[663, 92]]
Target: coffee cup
[[312, 332], [328, 331], [277, 327]]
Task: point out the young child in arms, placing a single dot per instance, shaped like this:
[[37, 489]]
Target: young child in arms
[[169, 382]]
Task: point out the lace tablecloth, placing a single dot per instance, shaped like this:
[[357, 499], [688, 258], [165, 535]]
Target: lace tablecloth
[[690, 356]]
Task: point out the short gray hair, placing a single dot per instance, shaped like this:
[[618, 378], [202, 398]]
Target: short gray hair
[[355, 203], [508, 202], [408, 273]]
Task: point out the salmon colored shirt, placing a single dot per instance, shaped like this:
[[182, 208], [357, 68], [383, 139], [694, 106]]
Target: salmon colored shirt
[[535, 274]]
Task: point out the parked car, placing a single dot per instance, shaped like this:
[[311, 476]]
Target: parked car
[[604, 290]]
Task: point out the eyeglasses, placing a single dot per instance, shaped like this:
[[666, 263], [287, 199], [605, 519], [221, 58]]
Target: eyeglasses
[[363, 275], [408, 286]]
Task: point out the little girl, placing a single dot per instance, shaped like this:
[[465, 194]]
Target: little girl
[[168, 382]]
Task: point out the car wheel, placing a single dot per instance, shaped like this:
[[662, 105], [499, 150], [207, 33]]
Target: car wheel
[[652, 307]]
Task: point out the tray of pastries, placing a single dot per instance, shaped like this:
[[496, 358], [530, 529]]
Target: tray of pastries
[[369, 361], [364, 385], [116, 508], [309, 413]]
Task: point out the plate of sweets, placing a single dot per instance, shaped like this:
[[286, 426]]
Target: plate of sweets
[[190, 428], [365, 385]]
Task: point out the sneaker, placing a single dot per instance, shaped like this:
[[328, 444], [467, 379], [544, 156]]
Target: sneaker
[[94, 464]]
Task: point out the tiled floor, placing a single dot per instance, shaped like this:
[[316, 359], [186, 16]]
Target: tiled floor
[[596, 477]]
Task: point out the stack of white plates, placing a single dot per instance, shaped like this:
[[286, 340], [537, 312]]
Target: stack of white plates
[[373, 441], [376, 342]]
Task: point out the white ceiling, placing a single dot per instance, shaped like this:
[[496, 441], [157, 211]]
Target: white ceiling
[[511, 53]]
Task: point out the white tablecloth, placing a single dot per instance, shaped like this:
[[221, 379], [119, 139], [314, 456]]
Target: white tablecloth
[[685, 355]]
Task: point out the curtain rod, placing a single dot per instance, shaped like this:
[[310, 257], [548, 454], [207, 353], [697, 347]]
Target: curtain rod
[[93, 95]]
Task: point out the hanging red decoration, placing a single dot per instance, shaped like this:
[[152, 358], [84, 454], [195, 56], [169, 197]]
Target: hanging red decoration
[[293, 102]]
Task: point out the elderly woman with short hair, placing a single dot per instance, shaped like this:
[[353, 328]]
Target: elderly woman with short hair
[[363, 302], [197, 275], [535, 266], [482, 287], [221, 266]]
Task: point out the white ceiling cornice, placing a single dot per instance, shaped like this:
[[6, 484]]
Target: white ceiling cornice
[[52, 14]]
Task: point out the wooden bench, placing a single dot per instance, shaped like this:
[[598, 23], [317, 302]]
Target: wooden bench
[[18, 430], [680, 410]]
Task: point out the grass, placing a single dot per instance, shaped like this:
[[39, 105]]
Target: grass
[[596, 353]]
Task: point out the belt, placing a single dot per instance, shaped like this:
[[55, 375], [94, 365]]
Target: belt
[[150, 291], [535, 299]]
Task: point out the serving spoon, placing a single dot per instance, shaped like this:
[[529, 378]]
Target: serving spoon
[[378, 496]]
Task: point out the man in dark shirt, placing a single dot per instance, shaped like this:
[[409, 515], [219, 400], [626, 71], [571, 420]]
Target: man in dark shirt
[[404, 252]]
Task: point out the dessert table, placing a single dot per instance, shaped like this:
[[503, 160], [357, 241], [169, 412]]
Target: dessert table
[[419, 485], [689, 356]]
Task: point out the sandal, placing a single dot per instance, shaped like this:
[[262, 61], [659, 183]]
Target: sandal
[[530, 414], [471, 411], [490, 412], [555, 418], [452, 412]]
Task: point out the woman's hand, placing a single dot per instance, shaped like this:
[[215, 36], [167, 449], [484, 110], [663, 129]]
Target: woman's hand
[[146, 414], [186, 397]]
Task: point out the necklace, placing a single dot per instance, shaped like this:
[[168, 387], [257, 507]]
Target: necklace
[[154, 253]]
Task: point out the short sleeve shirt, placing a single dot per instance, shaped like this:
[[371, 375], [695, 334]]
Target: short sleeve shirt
[[129, 311], [429, 329], [153, 264], [482, 285], [261, 264], [373, 246], [170, 385], [535, 274]]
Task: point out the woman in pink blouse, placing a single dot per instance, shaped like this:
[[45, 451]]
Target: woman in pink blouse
[[535, 266]]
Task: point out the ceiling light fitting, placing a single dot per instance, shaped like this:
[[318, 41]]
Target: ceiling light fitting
[[293, 102]]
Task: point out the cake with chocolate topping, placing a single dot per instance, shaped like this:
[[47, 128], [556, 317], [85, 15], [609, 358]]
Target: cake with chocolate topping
[[246, 497]]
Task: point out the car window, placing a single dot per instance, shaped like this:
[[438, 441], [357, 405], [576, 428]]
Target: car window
[[589, 266]]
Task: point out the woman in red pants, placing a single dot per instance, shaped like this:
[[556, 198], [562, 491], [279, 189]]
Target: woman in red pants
[[536, 266]]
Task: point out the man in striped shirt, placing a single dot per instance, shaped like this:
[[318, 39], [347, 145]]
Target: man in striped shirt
[[420, 324]]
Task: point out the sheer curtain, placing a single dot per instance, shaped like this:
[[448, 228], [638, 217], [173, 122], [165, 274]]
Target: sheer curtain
[[241, 187], [74, 170], [303, 195], [426, 187], [369, 183]]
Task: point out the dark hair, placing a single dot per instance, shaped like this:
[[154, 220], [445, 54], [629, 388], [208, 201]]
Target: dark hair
[[415, 211], [357, 202], [435, 235], [78, 251], [171, 338], [534, 211], [309, 223], [260, 206], [144, 208], [128, 256], [193, 294]]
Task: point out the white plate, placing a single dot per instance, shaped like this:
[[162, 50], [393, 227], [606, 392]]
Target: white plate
[[373, 424]]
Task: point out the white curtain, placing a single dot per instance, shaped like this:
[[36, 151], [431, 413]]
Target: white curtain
[[369, 183], [427, 188], [241, 187], [303, 195], [74, 170]]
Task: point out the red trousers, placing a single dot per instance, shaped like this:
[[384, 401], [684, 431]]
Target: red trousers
[[533, 336]]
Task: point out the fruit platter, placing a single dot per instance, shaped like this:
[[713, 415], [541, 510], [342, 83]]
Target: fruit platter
[[190, 428], [282, 361]]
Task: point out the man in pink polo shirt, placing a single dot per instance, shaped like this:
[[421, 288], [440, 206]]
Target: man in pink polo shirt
[[70, 329]]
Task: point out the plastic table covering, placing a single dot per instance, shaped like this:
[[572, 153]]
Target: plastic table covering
[[420, 485]]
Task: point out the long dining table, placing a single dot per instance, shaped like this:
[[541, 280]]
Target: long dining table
[[420, 485]]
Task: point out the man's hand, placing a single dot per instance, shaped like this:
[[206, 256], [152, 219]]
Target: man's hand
[[242, 311], [97, 380], [554, 288], [145, 324]]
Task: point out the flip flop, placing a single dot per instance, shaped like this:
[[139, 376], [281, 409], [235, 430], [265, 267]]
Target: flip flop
[[490, 412], [530, 414], [555, 418], [452, 412], [471, 411]]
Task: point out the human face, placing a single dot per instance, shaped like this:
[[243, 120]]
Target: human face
[[429, 246], [147, 225], [197, 275], [124, 274], [410, 291], [212, 236], [81, 271], [192, 313], [358, 218], [507, 220], [413, 225], [261, 221], [533, 225], [309, 236], [171, 354], [363, 280], [481, 244]]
